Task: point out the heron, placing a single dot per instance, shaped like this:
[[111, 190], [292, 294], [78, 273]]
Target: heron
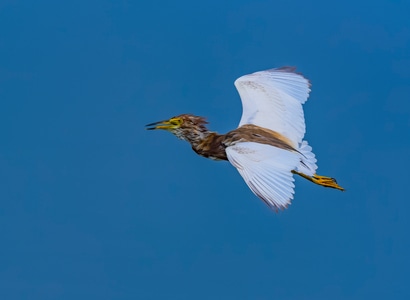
[[267, 148]]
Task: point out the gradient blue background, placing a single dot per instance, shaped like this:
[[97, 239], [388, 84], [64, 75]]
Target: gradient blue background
[[92, 206]]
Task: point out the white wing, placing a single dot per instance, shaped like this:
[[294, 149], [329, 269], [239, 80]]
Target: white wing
[[266, 170], [273, 99]]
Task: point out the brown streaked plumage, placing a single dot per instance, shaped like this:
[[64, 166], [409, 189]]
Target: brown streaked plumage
[[265, 150], [209, 144]]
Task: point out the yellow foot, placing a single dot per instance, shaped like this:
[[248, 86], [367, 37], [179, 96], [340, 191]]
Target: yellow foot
[[321, 180], [326, 181]]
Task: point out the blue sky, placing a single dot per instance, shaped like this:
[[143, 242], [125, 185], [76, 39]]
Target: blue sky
[[95, 207]]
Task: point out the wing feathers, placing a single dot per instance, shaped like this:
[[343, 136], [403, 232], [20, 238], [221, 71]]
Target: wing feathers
[[266, 170], [273, 99]]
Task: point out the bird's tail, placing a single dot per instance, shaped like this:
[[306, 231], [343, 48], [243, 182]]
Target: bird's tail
[[308, 160], [307, 168]]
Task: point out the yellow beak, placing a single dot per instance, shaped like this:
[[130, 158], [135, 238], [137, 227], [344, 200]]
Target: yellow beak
[[160, 125]]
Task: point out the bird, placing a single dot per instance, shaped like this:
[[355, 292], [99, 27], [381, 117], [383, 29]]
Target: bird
[[268, 147]]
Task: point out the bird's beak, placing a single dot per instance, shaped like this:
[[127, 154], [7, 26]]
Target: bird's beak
[[160, 125]]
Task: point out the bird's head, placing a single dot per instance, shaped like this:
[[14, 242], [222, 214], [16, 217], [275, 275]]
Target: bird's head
[[186, 127]]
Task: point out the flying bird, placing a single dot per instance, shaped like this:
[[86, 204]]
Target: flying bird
[[267, 148]]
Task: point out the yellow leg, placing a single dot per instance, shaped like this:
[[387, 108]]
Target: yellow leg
[[321, 180]]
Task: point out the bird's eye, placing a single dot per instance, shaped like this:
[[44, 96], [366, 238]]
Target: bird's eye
[[176, 121]]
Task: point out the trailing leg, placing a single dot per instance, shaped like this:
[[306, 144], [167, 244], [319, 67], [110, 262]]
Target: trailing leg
[[321, 180]]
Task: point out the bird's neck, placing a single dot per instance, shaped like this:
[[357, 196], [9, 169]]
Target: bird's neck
[[204, 142], [196, 138], [210, 146]]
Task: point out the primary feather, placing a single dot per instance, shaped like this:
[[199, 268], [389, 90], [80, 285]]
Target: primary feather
[[266, 170], [273, 99]]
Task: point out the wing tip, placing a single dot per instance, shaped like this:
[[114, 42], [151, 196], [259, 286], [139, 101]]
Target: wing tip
[[277, 208], [291, 69], [287, 69], [283, 69]]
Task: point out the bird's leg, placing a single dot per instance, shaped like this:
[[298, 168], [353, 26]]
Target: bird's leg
[[321, 180]]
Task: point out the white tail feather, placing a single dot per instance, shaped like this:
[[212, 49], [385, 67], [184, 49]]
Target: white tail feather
[[308, 160]]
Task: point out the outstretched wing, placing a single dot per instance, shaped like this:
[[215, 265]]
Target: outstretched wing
[[273, 99], [266, 170]]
